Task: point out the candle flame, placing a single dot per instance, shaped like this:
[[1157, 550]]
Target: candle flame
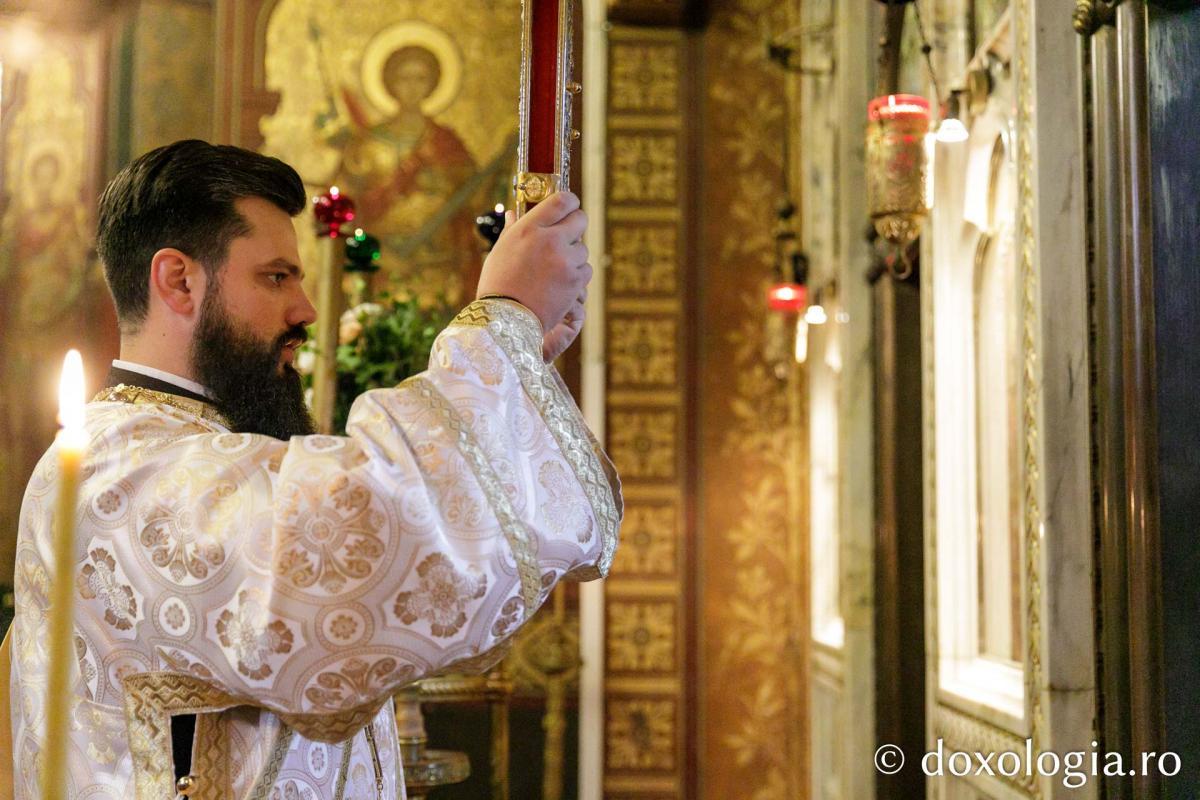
[[70, 395]]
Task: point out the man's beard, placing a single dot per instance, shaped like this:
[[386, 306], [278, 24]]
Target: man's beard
[[242, 374]]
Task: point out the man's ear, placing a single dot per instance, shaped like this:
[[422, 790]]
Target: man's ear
[[177, 280]]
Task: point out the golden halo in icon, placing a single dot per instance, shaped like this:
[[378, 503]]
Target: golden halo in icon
[[412, 33], [50, 150]]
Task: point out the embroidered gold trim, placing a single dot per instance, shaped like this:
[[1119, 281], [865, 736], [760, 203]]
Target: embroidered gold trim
[[517, 331], [124, 393], [334, 728], [610, 470], [151, 698], [339, 791], [523, 546], [211, 758], [266, 778]]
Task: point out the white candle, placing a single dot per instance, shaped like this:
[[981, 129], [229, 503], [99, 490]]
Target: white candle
[[72, 442]]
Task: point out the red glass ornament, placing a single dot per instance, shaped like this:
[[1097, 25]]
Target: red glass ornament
[[898, 106], [787, 297], [332, 210]]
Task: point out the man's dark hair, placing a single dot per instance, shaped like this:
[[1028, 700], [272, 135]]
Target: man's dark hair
[[182, 196]]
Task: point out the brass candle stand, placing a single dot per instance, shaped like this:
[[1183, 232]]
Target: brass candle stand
[[424, 769]]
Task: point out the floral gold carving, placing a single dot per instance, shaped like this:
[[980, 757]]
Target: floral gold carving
[[648, 541], [645, 77], [641, 636], [642, 351], [643, 259], [644, 633], [753, 696], [643, 443], [641, 734], [643, 168]]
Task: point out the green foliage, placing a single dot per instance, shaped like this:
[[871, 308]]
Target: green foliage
[[381, 344]]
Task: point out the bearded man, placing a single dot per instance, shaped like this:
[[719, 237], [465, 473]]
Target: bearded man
[[277, 585]]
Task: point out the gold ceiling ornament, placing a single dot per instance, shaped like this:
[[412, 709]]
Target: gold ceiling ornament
[[896, 166], [418, 34]]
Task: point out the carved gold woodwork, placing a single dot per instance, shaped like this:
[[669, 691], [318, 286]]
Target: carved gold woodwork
[[643, 443], [644, 168], [642, 352], [641, 733], [645, 77], [649, 541], [641, 635], [644, 259], [646, 707]]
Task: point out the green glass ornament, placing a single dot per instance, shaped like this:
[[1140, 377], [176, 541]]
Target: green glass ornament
[[362, 252]]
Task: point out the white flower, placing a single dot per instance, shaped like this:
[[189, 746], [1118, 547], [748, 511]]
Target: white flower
[[350, 325], [306, 360], [349, 330], [361, 311]]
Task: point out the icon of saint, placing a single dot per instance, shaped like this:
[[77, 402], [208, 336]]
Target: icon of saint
[[411, 178]]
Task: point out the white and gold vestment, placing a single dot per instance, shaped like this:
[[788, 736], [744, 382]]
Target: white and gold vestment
[[283, 591]]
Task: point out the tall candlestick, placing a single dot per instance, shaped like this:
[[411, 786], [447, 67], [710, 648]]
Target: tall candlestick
[[72, 442], [329, 311], [332, 210]]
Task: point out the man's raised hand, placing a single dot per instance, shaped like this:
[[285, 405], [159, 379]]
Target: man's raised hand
[[540, 260]]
